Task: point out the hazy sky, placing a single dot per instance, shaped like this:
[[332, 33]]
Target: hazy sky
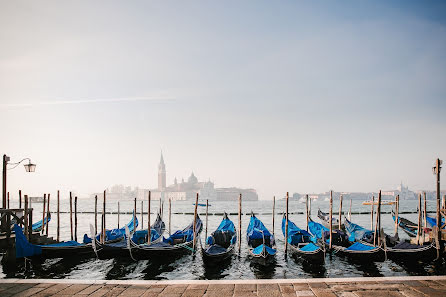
[[278, 96]]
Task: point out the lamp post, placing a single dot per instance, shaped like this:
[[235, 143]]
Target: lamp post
[[30, 167]]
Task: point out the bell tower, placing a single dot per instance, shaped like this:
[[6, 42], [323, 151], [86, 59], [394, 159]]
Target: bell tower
[[161, 174]]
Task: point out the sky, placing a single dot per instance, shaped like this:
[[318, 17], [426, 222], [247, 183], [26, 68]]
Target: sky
[[298, 96]]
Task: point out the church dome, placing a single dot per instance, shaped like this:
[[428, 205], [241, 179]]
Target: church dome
[[192, 179]]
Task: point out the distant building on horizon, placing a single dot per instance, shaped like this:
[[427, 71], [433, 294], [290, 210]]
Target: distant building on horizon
[[187, 190]]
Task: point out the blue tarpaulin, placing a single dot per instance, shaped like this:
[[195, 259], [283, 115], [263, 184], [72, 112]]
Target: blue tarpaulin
[[114, 233], [295, 234], [316, 229], [256, 229], [358, 233], [357, 246], [186, 233], [22, 247], [258, 250], [311, 247]]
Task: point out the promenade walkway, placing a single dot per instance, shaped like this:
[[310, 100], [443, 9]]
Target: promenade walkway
[[347, 287]]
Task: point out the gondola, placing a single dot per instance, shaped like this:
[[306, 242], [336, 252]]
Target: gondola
[[432, 222], [407, 252], [341, 245], [120, 248], [221, 243], [175, 245], [301, 245], [410, 228], [261, 243], [115, 235], [325, 219], [37, 227], [57, 250]]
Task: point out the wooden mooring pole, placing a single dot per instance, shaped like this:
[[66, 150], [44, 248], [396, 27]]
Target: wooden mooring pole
[[58, 217], [20, 199], [119, 211], [239, 224], [397, 219], [48, 214], [206, 230], [274, 211], [26, 217], [307, 210], [8, 201], [104, 235], [195, 223], [134, 214], [425, 211], [331, 219], [419, 219], [286, 224], [71, 216], [371, 212], [95, 215], [142, 214], [43, 214], [436, 171], [350, 211], [340, 214], [75, 218], [170, 215], [149, 229]]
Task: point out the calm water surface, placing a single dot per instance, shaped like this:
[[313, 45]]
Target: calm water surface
[[191, 267]]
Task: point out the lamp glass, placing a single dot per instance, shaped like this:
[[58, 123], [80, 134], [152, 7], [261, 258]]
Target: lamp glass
[[30, 167]]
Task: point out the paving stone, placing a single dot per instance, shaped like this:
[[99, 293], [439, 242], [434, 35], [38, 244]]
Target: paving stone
[[247, 294], [29, 292], [245, 287], [53, 290], [115, 291], [411, 293], [156, 288], [268, 287], [346, 294], [346, 288], [193, 292], [222, 287], [218, 293], [73, 289], [426, 290], [162, 294], [134, 291], [175, 289], [414, 283], [370, 293], [323, 292], [269, 293], [301, 287], [287, 289], [102, 291], [318, 285], [17, 288], [305, 293], [89, 289], [197, 287]]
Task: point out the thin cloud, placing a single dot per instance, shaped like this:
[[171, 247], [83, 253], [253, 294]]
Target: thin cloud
[[86, 101]]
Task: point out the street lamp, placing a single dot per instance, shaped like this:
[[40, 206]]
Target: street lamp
[[30, 167]]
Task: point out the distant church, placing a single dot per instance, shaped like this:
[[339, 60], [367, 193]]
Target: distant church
[[187, 190]]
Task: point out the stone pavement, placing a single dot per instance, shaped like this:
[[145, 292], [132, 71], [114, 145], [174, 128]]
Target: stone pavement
[[329, 287]]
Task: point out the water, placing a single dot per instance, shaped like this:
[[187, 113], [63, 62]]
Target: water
[[239, 267]]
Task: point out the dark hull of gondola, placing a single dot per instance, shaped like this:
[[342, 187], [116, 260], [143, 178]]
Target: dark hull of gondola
[[324, 217], [108, 251], [404, 225], [83, 251], [314, 257], [375, 255], [426, 254], [161, 254], [213, 259]]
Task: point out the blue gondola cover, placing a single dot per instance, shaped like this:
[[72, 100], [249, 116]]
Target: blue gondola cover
[[295, 234], [22, 247], [258, 250], [357, 246], [114, 233], [358, 233]]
